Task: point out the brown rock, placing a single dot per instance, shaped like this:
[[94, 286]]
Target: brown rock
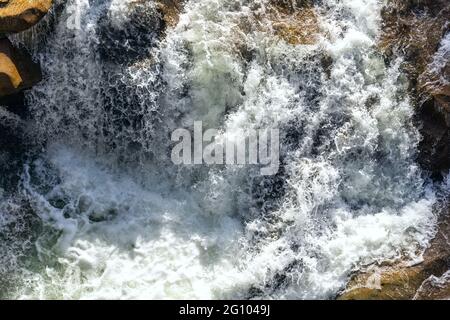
[[17, 70], [170, 11], [294, 21], [415, 28], [299, 28], [434, 288], [19, 15]]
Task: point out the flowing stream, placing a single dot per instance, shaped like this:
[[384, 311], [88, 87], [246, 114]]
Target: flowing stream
[[102, 212]]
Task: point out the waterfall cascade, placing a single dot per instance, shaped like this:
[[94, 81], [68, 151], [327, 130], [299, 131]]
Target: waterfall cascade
[[102, 212]]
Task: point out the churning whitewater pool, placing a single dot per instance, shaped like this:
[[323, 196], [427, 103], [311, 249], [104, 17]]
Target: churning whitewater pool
[[102, 212]]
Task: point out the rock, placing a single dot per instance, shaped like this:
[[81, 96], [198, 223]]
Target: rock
[[294, 21], [19, 15], [434, 288], [170, 11], [416, 28], [434, 148], [17, 69], [401, 281]]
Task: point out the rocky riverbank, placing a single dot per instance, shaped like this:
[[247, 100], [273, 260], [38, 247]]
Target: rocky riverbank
[[419, 31]]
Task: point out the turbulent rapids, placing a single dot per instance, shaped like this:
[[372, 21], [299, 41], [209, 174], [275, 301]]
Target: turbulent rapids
[[102, 212]]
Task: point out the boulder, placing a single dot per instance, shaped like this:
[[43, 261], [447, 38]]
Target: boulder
[[17, 69], [19, 15]]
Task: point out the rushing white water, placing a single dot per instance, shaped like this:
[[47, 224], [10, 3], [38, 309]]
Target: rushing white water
[[436, 77], [120, 221], [441, 58]]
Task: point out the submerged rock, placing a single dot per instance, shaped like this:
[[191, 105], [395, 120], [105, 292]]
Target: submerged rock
[[17, 69], [19, 15]]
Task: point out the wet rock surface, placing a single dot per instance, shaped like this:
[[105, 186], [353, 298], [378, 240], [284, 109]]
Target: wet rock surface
[[19, 15], [434, 288], [416, 30], [294, 21], [170, 11]]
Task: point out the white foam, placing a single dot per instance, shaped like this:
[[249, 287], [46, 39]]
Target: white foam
[[353, 193]]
